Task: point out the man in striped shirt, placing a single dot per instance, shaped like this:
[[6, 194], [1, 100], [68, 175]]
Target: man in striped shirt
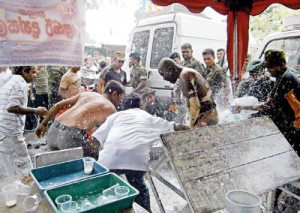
[[14, 157]]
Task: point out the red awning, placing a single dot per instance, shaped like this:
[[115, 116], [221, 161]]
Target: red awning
[[238, 12]]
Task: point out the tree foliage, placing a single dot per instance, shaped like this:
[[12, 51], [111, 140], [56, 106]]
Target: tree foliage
[[270, 21]]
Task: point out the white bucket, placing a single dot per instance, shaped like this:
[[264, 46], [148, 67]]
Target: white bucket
[[239, 201]]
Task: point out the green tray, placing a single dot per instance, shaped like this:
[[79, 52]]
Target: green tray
[[91, 188], [55, 175]]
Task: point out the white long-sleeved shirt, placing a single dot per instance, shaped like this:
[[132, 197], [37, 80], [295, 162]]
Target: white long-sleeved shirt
[[127, 137]]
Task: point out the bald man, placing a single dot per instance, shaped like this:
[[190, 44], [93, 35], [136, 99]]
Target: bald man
[[87, 110], [200, 102]]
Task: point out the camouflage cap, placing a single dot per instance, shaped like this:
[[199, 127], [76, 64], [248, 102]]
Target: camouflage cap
[[146, 91], [254, 66], [135, 55], [274, 58], [119, 55]]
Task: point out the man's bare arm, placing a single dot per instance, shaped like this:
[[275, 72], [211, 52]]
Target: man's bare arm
[[27, 110], [99, 85], [237, 108], [42, 128]]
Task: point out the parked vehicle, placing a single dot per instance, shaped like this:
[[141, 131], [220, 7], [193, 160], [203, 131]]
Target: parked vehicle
[[289, 42], [159, 36]]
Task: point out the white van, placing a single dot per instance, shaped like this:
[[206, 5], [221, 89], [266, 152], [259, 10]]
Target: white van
[[289, 42], [157, 37]]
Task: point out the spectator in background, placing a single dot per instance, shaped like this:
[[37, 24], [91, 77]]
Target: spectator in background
[[189, 60], [103, 64], [55, 74], [90, 65], [216, 77], [258, 84], [222, 61], [113, 72], [41, 87], [152, 104], [176, 57], [245, 65], [5, 75], [70, 83], [176, 93], [160, 107], [96, 60], [138, 73], [85, 61], [108, 61], [15, 159]]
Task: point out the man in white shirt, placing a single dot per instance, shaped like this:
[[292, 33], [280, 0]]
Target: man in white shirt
[[5, 75], [85, 111], [14, 156], [126, 138]]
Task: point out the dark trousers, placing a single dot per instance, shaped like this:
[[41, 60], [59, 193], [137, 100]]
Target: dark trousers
[[41, 100], [136, 179]]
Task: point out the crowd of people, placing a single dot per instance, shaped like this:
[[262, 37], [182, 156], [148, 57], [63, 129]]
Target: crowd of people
[[118, 129]]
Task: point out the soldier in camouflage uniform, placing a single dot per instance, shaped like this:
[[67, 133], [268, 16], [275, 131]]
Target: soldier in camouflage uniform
[[138, 74], [111, 72], [55, 74], [258, 84], [216, 77], [189, 60], [278, 106], [157, 106]]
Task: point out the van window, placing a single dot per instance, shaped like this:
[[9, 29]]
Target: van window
[[288, 45], [140, 44], [162, 45], [295, 65]]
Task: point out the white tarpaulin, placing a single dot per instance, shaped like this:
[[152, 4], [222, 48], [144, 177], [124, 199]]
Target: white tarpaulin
[[35, 32]]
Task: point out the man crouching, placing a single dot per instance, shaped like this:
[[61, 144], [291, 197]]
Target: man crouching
[[200, 102]]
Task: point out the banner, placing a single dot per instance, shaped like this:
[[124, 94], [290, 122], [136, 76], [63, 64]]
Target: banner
[[41, 32]]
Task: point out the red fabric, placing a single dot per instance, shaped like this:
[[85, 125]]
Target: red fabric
[[89, 134], [242, 41], [243, 10], [61, 112]]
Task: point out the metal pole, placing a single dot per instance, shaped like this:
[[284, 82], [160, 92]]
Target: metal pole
[[235, 52]]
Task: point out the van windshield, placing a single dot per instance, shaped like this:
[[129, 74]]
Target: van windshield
[[140, 43], [162, 45]]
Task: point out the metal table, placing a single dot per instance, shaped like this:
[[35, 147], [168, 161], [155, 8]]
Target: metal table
[[251, 155]]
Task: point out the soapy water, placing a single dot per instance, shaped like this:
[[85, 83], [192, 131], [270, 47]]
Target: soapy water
[[66, 178]]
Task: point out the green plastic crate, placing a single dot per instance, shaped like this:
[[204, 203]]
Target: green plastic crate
[[58, 174], [91, 189]]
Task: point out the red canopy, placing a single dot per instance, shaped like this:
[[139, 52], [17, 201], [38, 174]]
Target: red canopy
[[238, 12]]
